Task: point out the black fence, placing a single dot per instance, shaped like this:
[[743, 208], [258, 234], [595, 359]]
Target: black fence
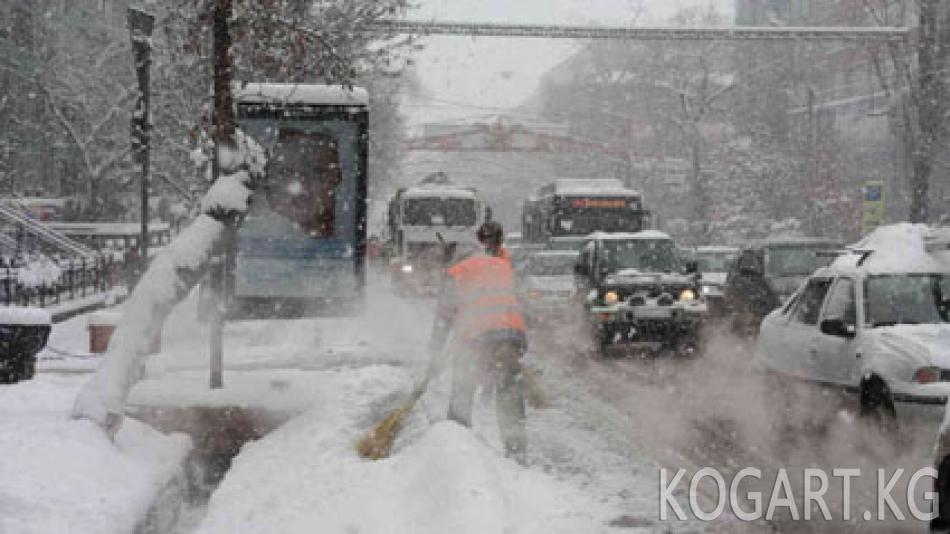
[[78, 279]]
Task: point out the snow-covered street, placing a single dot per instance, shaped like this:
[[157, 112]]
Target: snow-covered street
[[331, 379]]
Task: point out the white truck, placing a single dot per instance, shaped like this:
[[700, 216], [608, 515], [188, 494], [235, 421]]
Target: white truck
[[421, 219]]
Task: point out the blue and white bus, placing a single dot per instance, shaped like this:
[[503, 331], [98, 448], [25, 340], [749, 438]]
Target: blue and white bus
[[301, 250]]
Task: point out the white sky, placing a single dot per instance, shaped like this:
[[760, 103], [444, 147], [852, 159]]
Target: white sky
[[465, 77]]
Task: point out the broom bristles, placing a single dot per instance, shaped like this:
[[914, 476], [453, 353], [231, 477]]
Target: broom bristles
[[378, 442]]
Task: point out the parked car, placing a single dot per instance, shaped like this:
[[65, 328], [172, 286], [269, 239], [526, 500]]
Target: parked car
[[713, 264], [638, 293], [547, 285], [765, 275], [874, 324]]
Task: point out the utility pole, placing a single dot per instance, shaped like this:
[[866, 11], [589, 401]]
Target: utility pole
[[224, 128], [140, 27]]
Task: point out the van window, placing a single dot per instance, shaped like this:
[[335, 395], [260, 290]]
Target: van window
[[809, 304], [841, 303]]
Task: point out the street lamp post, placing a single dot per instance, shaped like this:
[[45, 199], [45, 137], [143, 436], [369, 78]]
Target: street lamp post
[[140, 27]]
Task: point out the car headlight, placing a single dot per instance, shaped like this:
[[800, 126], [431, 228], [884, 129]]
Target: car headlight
[[687, 294], [407, 268], [706, 290], [611, 297]]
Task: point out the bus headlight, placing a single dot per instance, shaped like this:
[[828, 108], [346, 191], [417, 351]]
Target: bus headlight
[[407, 268], [611, 297], [687, 294]]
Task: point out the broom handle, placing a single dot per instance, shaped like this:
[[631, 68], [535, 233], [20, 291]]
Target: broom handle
[[421, 386]]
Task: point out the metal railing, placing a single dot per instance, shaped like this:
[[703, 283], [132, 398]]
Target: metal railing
[[78, 279]]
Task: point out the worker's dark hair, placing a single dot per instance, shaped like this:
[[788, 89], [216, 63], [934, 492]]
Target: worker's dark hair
[[491, 235]]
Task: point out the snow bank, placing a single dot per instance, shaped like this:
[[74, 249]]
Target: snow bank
[[305, 477], [24, 316], [303, 93], [62, 475]]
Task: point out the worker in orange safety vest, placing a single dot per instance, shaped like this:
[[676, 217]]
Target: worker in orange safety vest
[[479, 306]]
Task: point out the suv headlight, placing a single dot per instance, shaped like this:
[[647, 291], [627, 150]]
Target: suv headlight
[[687, 294], [611, 297]]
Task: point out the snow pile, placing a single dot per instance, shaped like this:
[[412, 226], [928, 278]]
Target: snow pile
[[62, 475], [168, 280], [306, 476]]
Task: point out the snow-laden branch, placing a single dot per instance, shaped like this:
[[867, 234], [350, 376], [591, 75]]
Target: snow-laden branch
[[169, 278]]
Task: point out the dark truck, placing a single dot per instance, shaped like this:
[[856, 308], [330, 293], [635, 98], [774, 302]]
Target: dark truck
[[765, 274], [638, 293]]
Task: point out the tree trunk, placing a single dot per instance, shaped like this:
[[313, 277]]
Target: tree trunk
[[931, 107], [698, 189], [223, 99]]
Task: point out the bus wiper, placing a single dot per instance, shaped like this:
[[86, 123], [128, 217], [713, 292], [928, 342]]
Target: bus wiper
[[876, 324]]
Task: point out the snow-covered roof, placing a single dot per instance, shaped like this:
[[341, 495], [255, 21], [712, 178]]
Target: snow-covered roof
[[894, 249], [568, 185], [16, 315], [625, 236], [717, 249], [586, 187], [438, 192], [300, 93]]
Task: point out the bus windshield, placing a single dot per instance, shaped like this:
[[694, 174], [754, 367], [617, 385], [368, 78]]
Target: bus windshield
[[434, 211], [583, 221]]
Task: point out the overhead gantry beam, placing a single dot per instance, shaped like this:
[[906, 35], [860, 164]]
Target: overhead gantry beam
[[645, 33]]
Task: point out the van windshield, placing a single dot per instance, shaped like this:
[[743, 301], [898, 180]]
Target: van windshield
[[439, 212]]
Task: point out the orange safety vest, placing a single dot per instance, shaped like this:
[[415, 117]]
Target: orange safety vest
[[486, 296]]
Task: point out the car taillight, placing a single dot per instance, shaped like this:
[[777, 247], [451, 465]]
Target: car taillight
[[927, 375]]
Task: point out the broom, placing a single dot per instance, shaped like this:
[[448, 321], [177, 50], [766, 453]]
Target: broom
[[378, 442]]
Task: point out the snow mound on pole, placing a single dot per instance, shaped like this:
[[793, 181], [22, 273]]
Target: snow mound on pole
[[169, 278], [306, 477]]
